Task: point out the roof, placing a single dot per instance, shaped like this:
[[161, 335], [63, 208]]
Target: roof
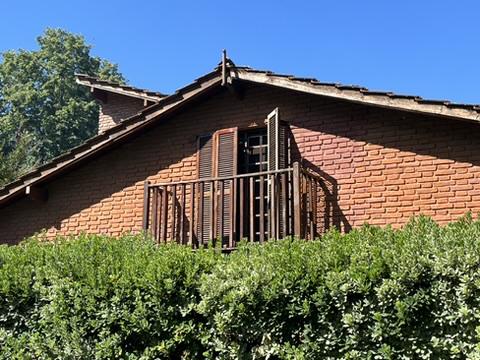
[[166, 105], [357, 94], [113, 87], [110, 137]]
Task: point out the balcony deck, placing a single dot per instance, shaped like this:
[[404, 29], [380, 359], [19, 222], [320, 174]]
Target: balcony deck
[[255, 207]]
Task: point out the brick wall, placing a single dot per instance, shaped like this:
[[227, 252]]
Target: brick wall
[[380, 166], [117, 108]]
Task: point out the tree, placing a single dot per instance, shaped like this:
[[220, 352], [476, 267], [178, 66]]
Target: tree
[[17, 162], [43, 111]]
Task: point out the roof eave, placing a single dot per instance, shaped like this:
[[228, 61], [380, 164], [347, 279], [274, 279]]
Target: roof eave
[[118, 90], [384, 100], [110, 137]]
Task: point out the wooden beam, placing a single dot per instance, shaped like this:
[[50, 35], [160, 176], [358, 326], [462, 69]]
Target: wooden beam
[[224, 67], [118, 89], [37, 193]]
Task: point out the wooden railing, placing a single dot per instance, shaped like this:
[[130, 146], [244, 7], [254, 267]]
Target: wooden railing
[[225, 210]]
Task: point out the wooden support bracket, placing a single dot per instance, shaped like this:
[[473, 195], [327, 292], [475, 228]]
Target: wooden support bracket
[[99, 95], [37, 193]]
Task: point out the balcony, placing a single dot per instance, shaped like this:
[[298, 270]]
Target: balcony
[[225, 210]]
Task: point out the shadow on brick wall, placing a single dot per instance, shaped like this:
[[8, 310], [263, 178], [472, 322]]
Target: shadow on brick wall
[[329, 214]]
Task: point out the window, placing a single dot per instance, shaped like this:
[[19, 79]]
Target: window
[[229, 152]]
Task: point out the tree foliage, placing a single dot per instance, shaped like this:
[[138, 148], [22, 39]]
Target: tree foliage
[[43, 111], [374, 293]]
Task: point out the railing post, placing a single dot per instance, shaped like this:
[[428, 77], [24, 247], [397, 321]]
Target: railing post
[[297, 211], [146, 205]]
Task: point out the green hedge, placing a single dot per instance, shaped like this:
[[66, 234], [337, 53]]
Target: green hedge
[[371, 294]]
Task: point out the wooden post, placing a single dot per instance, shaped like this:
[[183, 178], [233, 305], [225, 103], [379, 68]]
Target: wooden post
[[233, 213], [221, 211], [276, 196], [310, 208], [192, 214], [200, 213], [283, 204], [174, 208], [241, 208], [252, 210], [146, 205], [273, 207], [164, 213], [154, 213], [262, 210], [313, 198], [213, 211], [182, 214], [297, 221]]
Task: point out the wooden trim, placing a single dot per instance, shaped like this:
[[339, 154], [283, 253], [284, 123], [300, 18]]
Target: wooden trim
[[118, 91]]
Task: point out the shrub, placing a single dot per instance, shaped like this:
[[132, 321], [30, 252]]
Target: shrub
[[98, 297], [371, 294]]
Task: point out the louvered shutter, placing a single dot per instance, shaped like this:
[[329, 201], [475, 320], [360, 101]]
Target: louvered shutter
[[277, 156], [277, 141], [205, 170], [226, 143]]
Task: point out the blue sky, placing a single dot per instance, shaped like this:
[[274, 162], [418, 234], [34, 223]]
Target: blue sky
[[427, 48]]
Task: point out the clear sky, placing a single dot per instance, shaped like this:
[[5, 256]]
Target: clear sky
[[423, 47]]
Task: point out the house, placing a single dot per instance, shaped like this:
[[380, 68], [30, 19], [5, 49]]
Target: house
[[242, 153]]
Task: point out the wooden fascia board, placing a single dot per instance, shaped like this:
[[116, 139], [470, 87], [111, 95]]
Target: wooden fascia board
[[119, 91], [187, 97], [356, 96]]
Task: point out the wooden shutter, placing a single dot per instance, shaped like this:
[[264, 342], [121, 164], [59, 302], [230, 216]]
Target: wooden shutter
[[205, 170], [226, 152], [277, 156], [277, 141], [226, 144], [217, 157]]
